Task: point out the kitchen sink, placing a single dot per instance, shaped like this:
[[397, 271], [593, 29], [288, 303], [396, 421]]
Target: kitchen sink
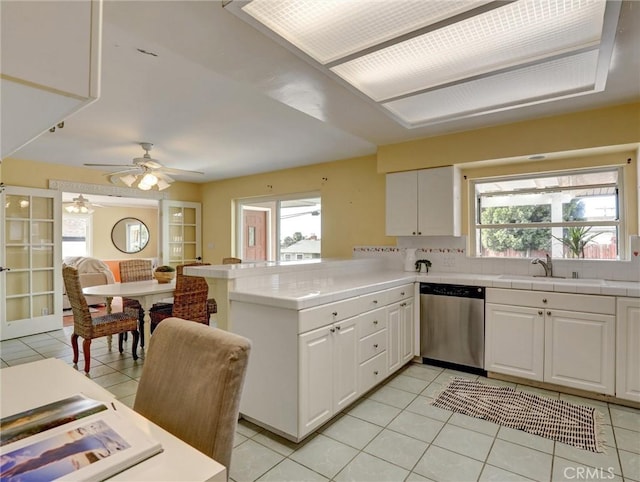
[[553, 279]]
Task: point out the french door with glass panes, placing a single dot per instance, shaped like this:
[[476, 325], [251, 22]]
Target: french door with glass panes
[[31, 262], [181, 232]]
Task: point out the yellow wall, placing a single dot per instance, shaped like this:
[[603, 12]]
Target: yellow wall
[[106, 217], [600, 128], [353, 190], [27, 173], [353, 204]]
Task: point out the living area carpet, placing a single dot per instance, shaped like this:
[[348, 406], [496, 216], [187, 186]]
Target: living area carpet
[[559, 420]]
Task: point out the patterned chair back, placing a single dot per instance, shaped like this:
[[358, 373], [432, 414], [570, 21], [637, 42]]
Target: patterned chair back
[[136, 270]]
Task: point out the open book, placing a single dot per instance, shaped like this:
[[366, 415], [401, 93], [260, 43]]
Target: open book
[[75, 439]]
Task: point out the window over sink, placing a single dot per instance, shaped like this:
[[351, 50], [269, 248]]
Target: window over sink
[[567, 214]]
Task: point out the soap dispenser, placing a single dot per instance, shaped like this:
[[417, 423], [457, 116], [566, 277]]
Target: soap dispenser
[[410, 259]]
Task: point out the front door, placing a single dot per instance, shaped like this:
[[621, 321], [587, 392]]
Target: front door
[[31, 261], [255, 235]]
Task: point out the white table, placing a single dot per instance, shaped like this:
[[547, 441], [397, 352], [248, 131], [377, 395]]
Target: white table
[[146, 292], [41, 382]]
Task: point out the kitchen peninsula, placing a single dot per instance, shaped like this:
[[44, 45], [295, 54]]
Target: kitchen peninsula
[[326, 332]]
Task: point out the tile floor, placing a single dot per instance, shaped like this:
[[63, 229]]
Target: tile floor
[[392, 434]]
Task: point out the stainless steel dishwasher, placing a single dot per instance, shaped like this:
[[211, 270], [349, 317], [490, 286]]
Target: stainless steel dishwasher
[[452, 325]]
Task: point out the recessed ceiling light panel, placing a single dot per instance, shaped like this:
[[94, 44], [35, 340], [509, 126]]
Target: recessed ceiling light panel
[[518, 33], [328, 30], [540, 83]]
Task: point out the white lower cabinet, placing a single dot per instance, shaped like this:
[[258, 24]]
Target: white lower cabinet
[[514, 340], [308, 365], [400, 319], [558, 338], [628, 349], [328, 372], [580, 350]]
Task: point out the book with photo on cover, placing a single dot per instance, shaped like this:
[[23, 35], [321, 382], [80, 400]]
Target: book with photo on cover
[[75, 439]]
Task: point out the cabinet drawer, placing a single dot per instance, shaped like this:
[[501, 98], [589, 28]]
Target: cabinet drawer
[[372, 345], [323, 315], [371, 322], [373, 300], [372, 372], [400, 293], [548, 299]]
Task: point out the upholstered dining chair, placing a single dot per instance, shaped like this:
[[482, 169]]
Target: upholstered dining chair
[[201, 408], [189, 302], [89, 328], [136, 270]]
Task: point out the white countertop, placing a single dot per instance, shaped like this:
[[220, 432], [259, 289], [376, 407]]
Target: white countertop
[[298, 292]]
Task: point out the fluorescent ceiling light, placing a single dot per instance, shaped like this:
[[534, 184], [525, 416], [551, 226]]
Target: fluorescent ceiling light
[[328, 30], [410, 56], [516, 34]]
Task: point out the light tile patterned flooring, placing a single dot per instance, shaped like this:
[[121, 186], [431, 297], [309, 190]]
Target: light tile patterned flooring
[[392, 434]]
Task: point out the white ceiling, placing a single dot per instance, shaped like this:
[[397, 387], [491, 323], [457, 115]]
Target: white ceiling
[[223, 98]]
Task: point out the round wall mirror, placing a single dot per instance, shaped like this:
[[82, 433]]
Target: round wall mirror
[[130, 235]]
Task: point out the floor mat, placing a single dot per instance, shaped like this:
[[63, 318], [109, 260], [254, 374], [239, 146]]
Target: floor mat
[[559, 420]]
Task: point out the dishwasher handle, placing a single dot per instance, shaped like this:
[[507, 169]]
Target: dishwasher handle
[[459, 291]]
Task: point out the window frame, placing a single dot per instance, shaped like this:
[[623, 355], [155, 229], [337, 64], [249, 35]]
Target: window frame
[[474, 210], [88, 240], [273, 220]]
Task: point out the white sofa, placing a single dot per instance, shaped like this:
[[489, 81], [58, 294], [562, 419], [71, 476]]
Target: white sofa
[[92, 272]]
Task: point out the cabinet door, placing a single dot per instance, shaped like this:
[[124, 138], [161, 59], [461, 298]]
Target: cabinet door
[[50, 65], [628, 349], [406, 331], [580, 350], [316, 379], [345, 363], [394, 315], [402, 203], [514, 340], [439, 201]]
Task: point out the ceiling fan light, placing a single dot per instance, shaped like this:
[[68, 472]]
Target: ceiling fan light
[[144, 187], [69, 208], [149, 179], [162, 184], [129, 179]]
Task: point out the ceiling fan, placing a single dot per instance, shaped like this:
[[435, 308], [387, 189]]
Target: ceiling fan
[[80, 205], [145, 170]]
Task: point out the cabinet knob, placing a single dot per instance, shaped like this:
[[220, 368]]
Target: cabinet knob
[[332, 330], [419, 232], [375, 302], [335, 313], [544, 300], [376, 372], [540, 312], [402, 293], [413, 233], [548, 313], [337, 328], [375, 322], [403, 304], [375, 345]]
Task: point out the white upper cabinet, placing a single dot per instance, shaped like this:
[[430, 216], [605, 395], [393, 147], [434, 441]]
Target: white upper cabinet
[[50, 65], [424, 202]]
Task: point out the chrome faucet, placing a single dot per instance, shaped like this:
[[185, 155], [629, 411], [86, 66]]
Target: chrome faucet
[[548, 265]]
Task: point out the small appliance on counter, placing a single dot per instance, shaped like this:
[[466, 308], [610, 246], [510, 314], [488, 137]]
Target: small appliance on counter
[[410, 259]]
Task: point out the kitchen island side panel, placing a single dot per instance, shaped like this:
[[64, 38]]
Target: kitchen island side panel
[[270, 394]]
